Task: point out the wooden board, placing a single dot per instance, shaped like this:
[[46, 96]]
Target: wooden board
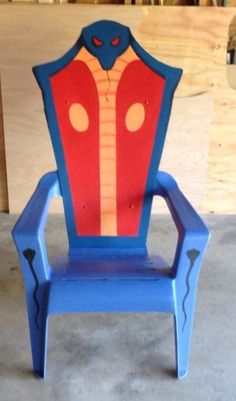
[[176, 35], [3, 175], [187, 146], [231, 3], [231, 75]]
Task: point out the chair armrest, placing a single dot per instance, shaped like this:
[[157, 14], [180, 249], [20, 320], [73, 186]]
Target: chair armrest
[[33, 218], [28, 232], [193, 233]]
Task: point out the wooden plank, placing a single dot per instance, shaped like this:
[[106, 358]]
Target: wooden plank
[[187, 146], [231, 75], [98, 2], [220, 194], [176, 35], [28, 145], [3, 174], [230, 3], [205, 3]]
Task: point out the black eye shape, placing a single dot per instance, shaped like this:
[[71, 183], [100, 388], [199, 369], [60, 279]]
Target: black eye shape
[[116, 41], [97, 42]]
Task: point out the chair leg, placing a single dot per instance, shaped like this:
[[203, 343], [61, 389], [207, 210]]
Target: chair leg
[[38, 326], [185, 287], [182, 347]]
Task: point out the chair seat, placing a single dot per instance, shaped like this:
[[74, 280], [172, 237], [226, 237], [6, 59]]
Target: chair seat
[[109, 267], [120, 283]]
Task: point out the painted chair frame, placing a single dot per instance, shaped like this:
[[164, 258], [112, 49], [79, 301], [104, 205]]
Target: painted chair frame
[[172, 292]]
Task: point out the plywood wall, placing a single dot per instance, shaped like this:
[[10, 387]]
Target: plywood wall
[[200, 149], [3, 176]]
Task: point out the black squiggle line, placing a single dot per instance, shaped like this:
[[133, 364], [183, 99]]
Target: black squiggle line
[[192, 254], [29, 255]]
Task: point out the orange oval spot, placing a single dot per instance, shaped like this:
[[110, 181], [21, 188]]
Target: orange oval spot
[[135, 117], [78, 117]]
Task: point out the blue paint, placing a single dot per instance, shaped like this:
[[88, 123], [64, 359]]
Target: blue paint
[[110, 274], [106, 31], [193, 238]]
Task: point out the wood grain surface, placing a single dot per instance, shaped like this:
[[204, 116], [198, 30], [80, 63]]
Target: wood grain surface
[[200, 148], [231, 75], [3, 173]]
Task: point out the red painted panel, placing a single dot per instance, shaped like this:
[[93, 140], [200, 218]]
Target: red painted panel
[[75, 85], [138, 84]]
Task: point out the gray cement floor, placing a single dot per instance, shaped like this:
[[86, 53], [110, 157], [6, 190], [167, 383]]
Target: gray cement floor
[[114, 357]]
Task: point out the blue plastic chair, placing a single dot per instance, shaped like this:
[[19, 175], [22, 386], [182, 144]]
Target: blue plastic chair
[[107, 104]]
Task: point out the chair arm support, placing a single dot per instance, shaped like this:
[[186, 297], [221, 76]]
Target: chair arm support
[[193, 233], [28, 232]]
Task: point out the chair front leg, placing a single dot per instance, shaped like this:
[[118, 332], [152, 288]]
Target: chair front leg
[[28, 235], [34, 266], [188, 260], [36, 290]]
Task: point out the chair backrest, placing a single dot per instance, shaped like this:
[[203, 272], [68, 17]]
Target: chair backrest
[[107, 105]]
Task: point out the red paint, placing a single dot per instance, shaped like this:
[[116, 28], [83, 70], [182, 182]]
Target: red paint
[[115, 41], [138, 84], [75, 84], [97, 42]]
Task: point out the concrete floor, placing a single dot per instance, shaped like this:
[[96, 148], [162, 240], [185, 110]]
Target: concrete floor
[[114, 357]]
